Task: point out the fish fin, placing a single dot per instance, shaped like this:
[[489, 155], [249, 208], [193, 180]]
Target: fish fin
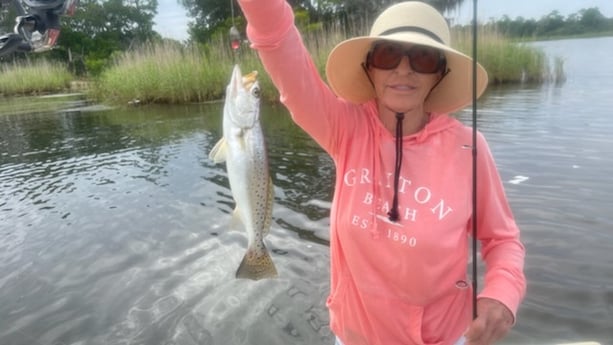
[[218, 153], [256, 265], [269, 203], [236, 222]]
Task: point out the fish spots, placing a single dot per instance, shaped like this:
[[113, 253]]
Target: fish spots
[[243, 148]]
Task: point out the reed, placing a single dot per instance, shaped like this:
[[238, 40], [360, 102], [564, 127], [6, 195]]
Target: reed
[[507, 61], [164, 73], [33, 77], [170, 73]]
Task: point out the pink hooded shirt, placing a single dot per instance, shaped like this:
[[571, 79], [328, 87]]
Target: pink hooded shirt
[[404, 282]]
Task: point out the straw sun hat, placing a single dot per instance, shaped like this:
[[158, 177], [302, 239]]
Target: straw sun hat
[[410, 22]]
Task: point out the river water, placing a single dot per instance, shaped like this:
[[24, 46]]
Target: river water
[[114, 224]]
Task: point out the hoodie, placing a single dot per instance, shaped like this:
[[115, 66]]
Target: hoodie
[[402, 282]]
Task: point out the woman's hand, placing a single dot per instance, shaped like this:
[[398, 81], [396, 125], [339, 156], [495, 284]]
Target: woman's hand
[[493, 322]]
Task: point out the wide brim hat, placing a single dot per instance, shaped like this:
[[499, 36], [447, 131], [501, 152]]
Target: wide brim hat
[[410, 22]]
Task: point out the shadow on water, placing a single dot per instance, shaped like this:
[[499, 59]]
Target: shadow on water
[[115, 224]]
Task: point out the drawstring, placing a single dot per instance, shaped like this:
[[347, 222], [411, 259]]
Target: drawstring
[[393, 213]]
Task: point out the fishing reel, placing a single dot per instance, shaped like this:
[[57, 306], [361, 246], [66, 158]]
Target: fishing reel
[[37, 25]]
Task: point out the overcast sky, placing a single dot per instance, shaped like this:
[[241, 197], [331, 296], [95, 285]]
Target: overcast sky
[[171, 20]]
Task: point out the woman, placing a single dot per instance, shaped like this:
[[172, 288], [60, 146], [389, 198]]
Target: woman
[[401, 214]]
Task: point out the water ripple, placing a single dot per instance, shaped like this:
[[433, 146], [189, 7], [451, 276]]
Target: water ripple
[[116, 225]]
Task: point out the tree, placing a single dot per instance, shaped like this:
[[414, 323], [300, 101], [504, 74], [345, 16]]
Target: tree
[[207, 15], [586, 21], [101, 27], [211, 16], [550, 24], [445, 6], [592, 19], [126, 22]]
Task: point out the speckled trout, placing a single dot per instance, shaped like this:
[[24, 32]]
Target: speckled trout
[[243, 149]]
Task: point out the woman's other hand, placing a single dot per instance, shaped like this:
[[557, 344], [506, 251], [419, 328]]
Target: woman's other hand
[[493, 322]]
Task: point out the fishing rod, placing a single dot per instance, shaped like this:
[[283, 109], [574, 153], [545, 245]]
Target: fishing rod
[[474, 161]]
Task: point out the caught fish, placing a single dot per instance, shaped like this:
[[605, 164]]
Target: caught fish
[[243, 149]]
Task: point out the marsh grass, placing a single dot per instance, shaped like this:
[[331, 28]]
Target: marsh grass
[[33, 77], [164, 73], [174, 74], [170, 73], [507, 61]]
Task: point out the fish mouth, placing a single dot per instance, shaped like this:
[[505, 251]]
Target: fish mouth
[[250, 79]]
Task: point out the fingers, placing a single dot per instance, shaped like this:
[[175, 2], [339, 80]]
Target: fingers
[[481, 332], [492, 324], [476, 331]]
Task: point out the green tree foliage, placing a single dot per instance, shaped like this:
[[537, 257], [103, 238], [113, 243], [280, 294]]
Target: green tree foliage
[[592, 20], [100, 28], [207, 16], [551, 23], [586, 21], [212, 17]]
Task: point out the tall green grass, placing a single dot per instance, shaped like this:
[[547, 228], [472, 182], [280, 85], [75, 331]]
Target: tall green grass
[[165, 73], [507, 61], [169, 73], [33, 77]]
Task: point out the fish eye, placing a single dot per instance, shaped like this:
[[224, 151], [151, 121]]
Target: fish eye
[[256, 92]]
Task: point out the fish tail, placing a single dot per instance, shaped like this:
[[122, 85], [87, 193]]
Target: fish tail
[[256, 264]]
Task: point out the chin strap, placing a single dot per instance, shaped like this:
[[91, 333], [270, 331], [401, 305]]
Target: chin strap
[[393, 213]]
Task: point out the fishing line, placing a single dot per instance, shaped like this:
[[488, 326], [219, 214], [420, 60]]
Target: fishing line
[[232, 11], [474, 160], [235, 36]]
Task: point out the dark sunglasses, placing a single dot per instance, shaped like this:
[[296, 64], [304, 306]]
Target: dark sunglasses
[[423, 59]]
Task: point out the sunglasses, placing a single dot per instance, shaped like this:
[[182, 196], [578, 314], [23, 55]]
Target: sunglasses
[[423, 59]]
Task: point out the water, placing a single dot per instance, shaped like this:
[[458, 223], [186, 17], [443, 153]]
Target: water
[[558, 137], [114, 223]]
